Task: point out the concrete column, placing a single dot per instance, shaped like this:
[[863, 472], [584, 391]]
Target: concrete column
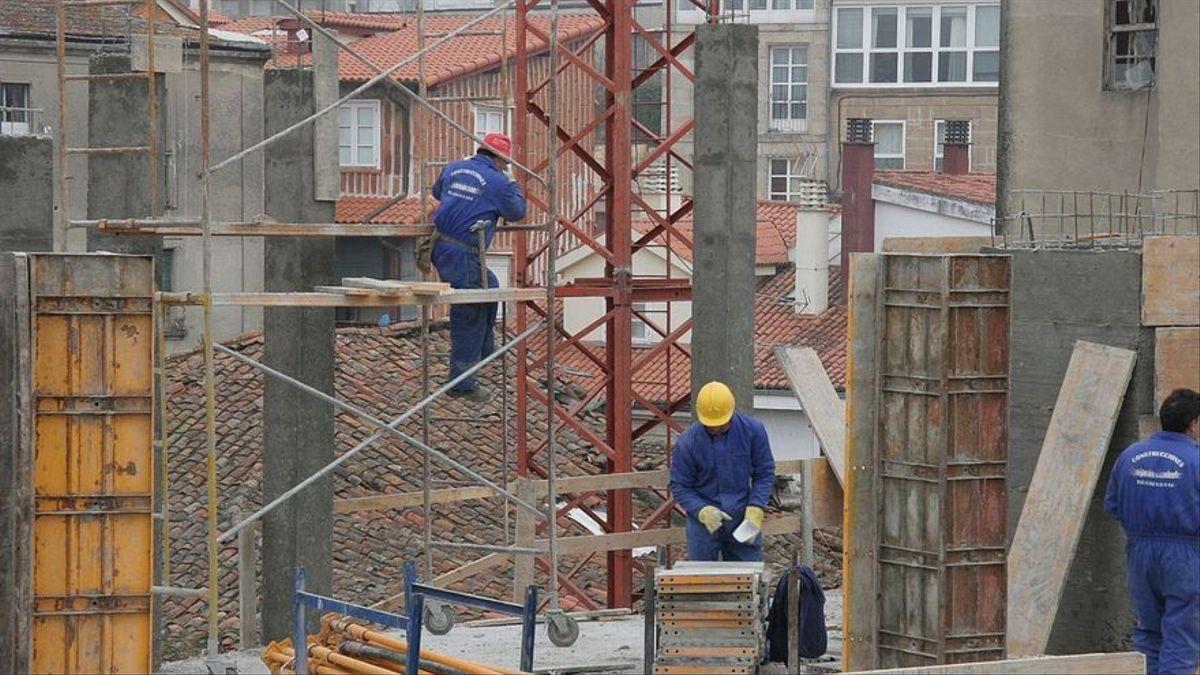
[[119, 183], [723, 283], [297, 428], [27, 184]]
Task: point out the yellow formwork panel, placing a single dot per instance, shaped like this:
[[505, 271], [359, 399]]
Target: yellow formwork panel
[[93, 341]]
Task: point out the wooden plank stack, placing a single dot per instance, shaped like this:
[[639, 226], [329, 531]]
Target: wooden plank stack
[[710, 617]]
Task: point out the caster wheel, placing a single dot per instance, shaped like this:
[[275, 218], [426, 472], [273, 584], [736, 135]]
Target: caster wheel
[[439, 620], [562, 630]]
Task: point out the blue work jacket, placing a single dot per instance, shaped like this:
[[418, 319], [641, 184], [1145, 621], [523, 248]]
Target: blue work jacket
[[1154, 489], [730, 471], [473, 189]]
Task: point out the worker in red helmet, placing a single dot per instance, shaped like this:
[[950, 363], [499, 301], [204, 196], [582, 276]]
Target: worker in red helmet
[[473, 194]]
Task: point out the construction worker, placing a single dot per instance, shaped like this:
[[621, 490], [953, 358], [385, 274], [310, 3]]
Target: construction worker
[[473, 193], [722, 474], [1155, 492]]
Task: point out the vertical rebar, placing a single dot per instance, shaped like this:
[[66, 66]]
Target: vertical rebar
[[60, 133], [152, 105], [163, 446], [210, 402], [426, 460], [551, 323]]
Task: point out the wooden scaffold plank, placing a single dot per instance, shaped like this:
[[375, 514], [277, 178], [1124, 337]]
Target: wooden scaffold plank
[[820, 402], [1072, 454], [1118, 663]]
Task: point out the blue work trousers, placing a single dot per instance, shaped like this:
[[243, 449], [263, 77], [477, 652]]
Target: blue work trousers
[[720, 546], [1164, 587], [472, 326]]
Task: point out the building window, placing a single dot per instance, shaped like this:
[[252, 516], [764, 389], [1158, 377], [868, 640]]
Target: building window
[[939, 144], [922, 45], [358, 133], [1132, 43], [490, 120], [15, 115], [789, 88], [769, 11], [788, 180], [655, 312], [889, 144]]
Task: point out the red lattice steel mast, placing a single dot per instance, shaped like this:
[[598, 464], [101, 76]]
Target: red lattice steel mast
[[613, 237]]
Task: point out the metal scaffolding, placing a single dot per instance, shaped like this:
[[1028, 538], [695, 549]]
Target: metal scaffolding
[[543, 141]]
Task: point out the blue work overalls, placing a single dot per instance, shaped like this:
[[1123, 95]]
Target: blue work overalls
[[730, 471], [1155, 492], [471, 190]]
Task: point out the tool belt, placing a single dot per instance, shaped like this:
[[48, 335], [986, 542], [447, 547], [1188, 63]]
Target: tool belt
[[425, 249]]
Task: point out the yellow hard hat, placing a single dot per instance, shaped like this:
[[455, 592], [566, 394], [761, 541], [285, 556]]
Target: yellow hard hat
[[714, 404]]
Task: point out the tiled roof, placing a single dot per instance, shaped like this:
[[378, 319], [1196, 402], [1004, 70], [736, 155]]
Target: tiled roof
[[776, 322], [775, 237], [250, 24], [458, 56], [352, 209], [216, 18], [369, 21], [979, 188], [377, 369], [36, 17]]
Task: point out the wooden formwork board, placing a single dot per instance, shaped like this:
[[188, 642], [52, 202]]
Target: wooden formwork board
[[819, 400], [93, 341], [939, 458], [1176, 361], [1052, 519], [1118, 663], [1171, 281], [702, 669]]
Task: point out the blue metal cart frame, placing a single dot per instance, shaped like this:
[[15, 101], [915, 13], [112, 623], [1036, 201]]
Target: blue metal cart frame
[[414, 590], [302, 600]]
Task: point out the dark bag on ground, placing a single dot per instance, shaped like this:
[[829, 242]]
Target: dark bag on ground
[[813, 640]]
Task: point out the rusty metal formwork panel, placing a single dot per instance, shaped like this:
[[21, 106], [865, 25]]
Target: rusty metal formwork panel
[[940, 459], [92, 342]]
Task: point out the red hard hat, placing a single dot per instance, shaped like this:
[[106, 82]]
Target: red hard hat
[[500, 143]]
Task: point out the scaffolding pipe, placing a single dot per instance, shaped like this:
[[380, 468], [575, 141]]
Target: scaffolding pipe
[[210, 397], [551, 273], [385, 428]]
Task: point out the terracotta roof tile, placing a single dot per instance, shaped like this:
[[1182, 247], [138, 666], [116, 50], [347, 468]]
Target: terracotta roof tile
[[775, 237], [460, 55], [368, 20], [979, 188], [36, 17], [352, 209]]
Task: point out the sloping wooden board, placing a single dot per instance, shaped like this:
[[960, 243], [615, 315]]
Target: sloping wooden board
[[936, 245], [1176, 361], [1171, 281], [824, 409], [1119, 663], [1072, 454]]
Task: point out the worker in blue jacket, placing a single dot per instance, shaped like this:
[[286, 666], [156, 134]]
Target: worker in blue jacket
[[1155, 492], [473, 193], [722, 474]]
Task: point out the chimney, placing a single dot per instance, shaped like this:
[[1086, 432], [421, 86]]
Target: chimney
[[299, 36], [956, 151], [858, 207], [812, 261]]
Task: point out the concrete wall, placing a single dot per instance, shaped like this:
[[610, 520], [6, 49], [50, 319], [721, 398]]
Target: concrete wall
[[1062, 130], [236, 81], [920, 110], [26, 166], [1059, 297]]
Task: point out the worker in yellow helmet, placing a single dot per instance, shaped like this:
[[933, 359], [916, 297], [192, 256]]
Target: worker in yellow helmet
[[722, 474]]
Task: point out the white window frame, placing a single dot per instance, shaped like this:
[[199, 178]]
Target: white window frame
[[792, 176], [788, 123], [939, 151], [506, 123], [901, 49], [1112, 29], [356, 140], [652, 310], [24, 128], [903, 145], [772, 11]]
